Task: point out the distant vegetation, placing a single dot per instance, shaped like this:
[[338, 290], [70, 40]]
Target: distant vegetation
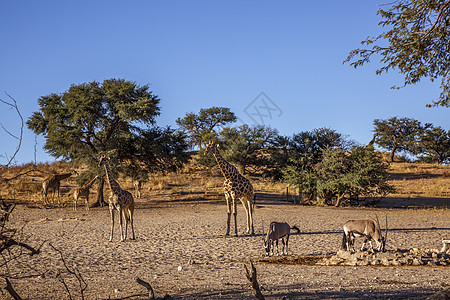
[[117, 118]]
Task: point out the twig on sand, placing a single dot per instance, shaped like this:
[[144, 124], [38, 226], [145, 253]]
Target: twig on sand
[[251, 276]]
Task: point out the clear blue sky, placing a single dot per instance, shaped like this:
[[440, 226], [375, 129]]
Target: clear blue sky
[[198, 54]]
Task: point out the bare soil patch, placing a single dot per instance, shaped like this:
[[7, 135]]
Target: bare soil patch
[[181, 250]]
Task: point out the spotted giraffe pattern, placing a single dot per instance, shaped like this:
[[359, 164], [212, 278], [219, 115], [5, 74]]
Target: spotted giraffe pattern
[[235, 187], [120, 200], [83, 191], [53, 182]]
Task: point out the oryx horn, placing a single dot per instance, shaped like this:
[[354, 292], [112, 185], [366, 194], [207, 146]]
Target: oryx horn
[[378, 222], [386, 230]]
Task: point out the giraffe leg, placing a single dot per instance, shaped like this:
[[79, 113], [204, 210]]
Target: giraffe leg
[[247, 203], [75, 201], [59, 203], [234, 215], [130, 213], [87, 201], [124, 212], [111, 211], [227, 197], [121, 224]]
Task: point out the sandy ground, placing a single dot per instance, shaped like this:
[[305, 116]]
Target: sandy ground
[[180, 248]]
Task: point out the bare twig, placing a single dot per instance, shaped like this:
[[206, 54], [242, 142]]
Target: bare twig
[[14, 106], [8, 242], [251, 276], [11, 290], [151, 294], [74, 271]]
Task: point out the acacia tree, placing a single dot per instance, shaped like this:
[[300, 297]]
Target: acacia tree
[[116, 118], [435, 144], [398, 134], [416, 43], [349, 175], [202, 127], [244, 143], [300, 160]]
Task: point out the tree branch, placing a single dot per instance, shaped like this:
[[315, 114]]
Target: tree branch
[[15, 107], [251, 276]]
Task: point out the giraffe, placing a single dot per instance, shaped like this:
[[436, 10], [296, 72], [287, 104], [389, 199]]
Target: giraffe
[[370, 144], [83, 191], [53, 182], [119, 199], [235, 187], [137, 188]]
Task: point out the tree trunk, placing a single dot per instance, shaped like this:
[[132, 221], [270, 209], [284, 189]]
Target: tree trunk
[[100, 197], [394, 149]]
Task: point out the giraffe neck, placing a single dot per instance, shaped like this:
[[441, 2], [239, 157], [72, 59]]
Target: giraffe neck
[[113, 185], [90, 182], [60, 177], [225, 167]]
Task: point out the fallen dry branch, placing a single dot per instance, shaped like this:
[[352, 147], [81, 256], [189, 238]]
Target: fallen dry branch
[[151, 294], [251, 276], [7, 242], [11, 290], [71, 271]]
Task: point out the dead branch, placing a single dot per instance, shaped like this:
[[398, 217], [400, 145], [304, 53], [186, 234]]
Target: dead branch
[[151, 294], [14, 106], [74, 271], [251, 276], [11, 290], [7, 242]]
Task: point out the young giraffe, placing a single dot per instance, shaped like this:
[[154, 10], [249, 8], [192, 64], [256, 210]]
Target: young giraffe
[[53, 182], [235, 187], [119, 199], [83, 191], [137, 188]]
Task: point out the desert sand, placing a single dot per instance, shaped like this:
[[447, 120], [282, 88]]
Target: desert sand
[[181, 249]]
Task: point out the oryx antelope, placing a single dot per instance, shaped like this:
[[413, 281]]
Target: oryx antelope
[[278, 231], [369, 229]]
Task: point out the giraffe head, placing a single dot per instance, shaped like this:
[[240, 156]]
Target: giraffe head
[[103, 160], [211, 148]]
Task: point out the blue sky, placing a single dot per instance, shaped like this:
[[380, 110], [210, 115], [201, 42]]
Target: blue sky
[[278, 57]]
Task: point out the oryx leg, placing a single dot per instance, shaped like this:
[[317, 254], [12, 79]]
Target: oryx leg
[[111, 211], [371, 246], [287, 241], [227, 198], [364, 243], [352, 242]]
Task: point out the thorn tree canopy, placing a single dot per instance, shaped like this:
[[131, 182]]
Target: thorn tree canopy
[[398, 134], [416, 43], [116, 118], [201, 127]]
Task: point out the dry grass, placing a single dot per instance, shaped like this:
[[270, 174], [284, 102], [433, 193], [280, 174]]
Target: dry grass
[[420, 180], [194, 183]]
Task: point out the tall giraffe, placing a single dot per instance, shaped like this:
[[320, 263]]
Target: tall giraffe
[[235, 187], [119, 199], [83, 191], [370, 144], [53, 182]]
